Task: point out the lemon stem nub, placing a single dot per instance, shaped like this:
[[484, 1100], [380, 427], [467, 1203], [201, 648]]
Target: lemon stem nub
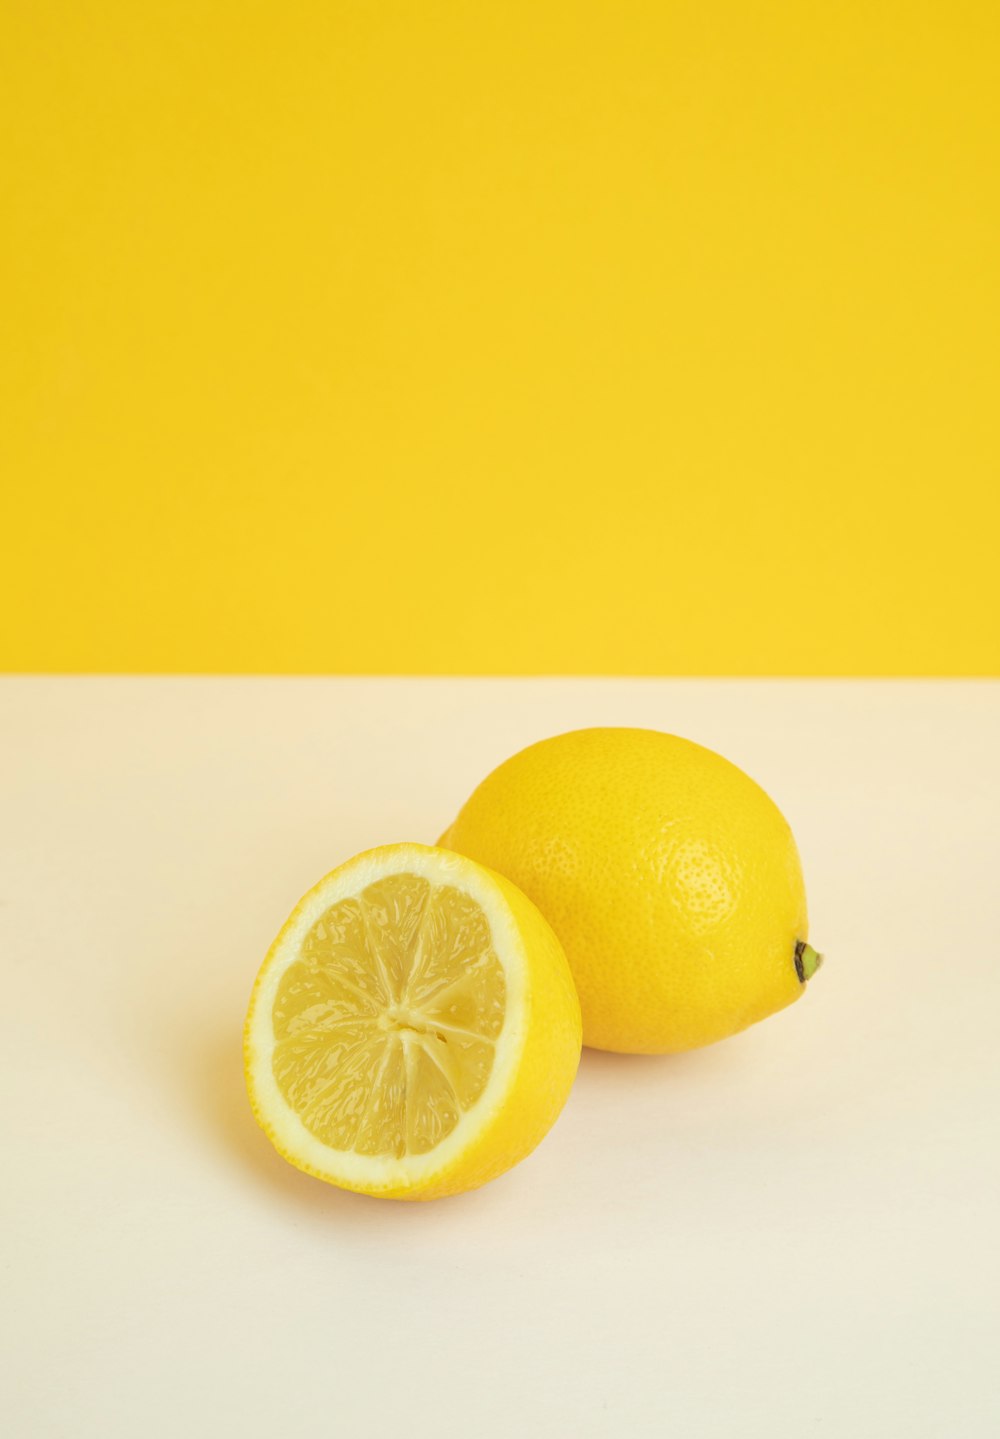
[[807, 961]]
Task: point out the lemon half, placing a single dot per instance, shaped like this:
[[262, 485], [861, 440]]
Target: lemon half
[[414, 1029]]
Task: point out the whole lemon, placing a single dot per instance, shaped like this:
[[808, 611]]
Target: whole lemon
[[670, 877]]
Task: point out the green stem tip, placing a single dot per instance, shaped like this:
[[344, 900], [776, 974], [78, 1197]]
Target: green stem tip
[[807, 961]]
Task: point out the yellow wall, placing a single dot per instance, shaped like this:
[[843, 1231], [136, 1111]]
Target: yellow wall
[[524, 337]]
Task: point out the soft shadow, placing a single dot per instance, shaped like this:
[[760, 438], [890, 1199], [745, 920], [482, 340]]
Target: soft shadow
[[610, 1068]]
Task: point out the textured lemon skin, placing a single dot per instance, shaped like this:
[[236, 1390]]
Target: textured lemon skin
[[541, 1077], [671, 878]]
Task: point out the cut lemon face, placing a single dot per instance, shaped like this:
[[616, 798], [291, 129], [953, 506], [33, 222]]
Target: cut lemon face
[[414, 1030]]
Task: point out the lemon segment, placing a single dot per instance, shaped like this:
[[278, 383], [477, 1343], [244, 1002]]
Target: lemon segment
[[399, 1015]]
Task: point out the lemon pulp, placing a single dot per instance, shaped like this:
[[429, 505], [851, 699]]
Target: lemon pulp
[[385, 1025]]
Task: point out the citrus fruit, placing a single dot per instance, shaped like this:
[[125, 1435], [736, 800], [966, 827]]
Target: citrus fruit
[[670, 877], [414, 1030]]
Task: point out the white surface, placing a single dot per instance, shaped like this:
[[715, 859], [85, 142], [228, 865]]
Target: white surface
[[791, 1233]]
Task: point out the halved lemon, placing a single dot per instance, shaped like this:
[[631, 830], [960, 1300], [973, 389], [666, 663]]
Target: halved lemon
[[414, 1030]]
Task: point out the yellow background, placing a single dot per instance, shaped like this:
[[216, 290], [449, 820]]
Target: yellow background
[[570, 337]]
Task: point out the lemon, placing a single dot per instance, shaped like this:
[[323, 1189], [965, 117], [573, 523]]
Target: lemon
[[670, 877], [414, 1030]]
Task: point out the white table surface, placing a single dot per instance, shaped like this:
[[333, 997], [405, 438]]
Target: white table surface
[[792, 1233]]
